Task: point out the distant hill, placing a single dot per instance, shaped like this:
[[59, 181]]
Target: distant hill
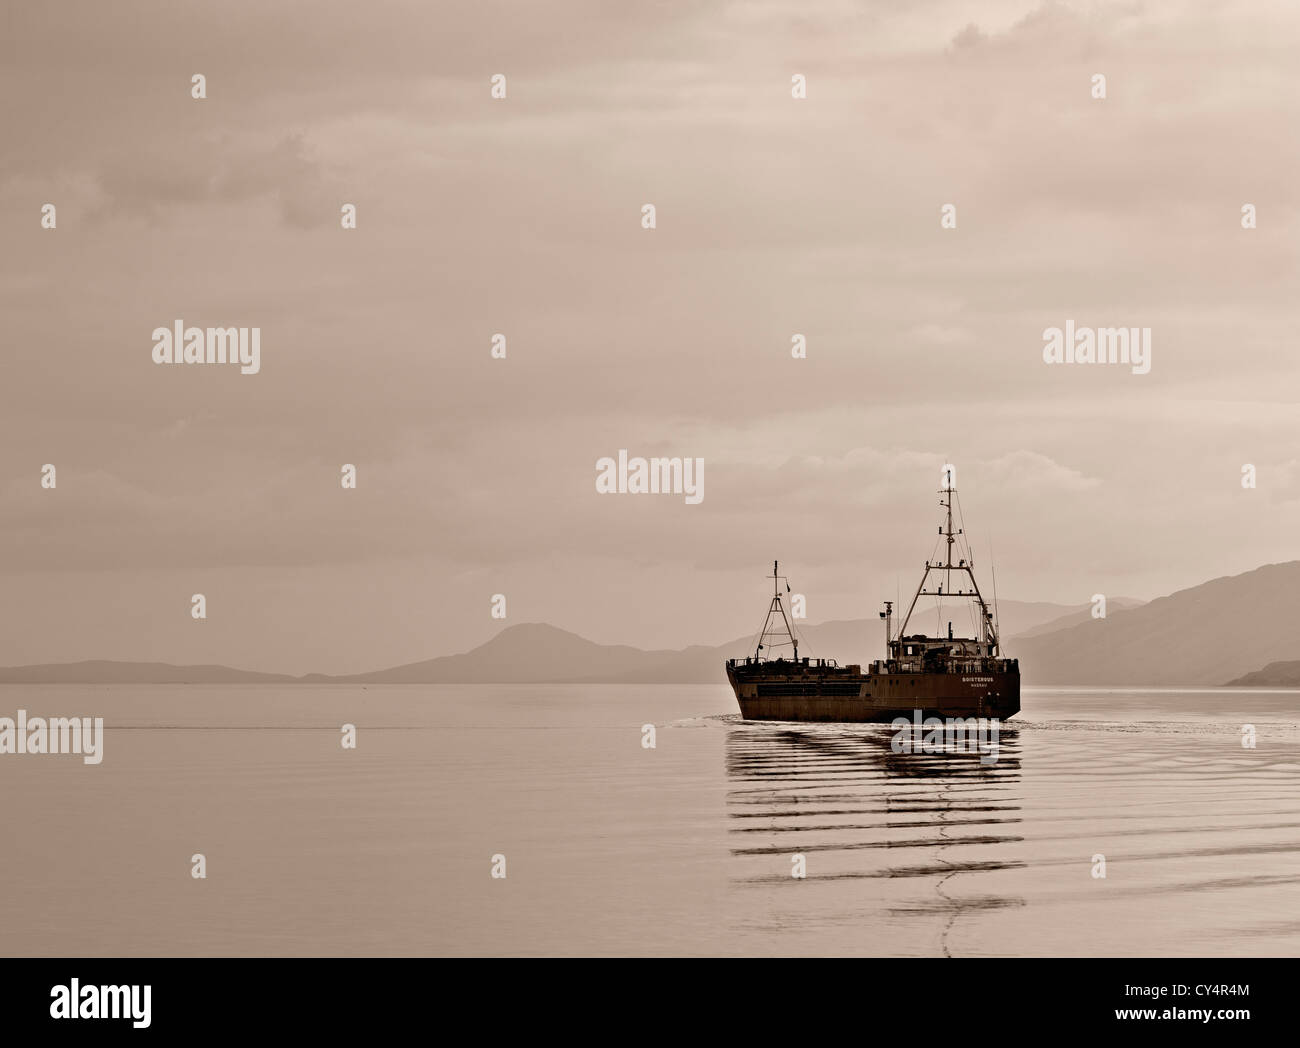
[[534, 652], [527, 653], [1205, 635], [1274, 675], [1219, 631], [104, 671], [1083, 613], [1020, 618]]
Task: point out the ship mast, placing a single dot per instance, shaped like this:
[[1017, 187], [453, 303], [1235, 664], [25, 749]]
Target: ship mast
[[988, 632], [776, 608]]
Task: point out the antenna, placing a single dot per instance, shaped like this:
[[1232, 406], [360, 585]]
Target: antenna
[[773, 609], [997, 627], [944, 569]]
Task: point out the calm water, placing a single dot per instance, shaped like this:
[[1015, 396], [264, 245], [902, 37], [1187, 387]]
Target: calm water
[[612, 848]]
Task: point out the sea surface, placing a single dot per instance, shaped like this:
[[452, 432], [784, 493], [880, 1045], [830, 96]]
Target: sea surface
[[614, 848]]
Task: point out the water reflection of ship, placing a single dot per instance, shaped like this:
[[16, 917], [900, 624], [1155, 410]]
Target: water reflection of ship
[[843, 798]]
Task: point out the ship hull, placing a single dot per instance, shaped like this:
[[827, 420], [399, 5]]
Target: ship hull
[[872, 697]]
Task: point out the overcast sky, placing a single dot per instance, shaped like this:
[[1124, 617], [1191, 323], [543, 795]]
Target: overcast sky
[[775, 216]]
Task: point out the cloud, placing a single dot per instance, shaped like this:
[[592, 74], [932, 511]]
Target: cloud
[[208, 170], [776, 216], [971, 36]]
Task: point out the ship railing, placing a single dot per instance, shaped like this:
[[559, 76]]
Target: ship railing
[[806, 661], [964, 666]]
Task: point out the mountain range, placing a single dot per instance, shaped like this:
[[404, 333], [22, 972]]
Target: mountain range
[[1221, 631], [1274, 675]]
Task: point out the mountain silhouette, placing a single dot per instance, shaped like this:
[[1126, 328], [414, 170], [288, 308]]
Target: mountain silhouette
[[1220, 631]]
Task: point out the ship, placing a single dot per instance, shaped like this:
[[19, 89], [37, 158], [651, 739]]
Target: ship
[[921, 676]]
